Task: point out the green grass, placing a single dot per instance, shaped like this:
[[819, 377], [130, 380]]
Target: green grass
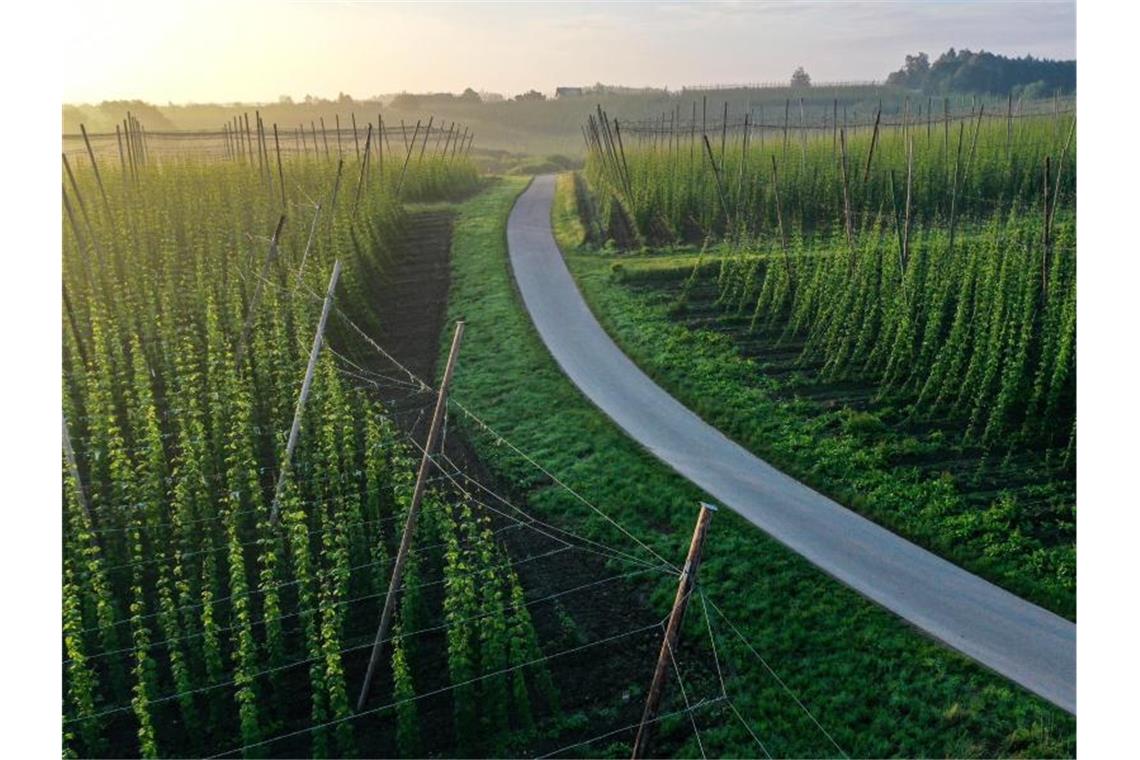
[[878, 686], [869, 459]]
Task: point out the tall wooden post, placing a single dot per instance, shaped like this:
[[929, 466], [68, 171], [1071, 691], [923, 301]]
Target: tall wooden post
[[672, 631], [407, 157], [122, 157], [248, 138], [95, 166], [363, 169], [280, 172], [306, 384], [355, 136], [427, 134], [413, 515]]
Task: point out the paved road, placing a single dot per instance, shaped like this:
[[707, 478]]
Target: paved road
[[1022, 641]]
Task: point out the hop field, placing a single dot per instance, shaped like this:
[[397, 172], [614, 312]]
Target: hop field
[[936, 260], [192, 624]]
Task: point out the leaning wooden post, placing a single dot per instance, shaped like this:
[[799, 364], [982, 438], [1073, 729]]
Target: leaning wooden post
[[413, 515], [122, 157], [248, 138], [363, 170], [239, 354], [78, 195], [685, 586], [280, 172], [407, 157], [95, 166], [260, 160], [73, 470], [427, 134], [306, 385], [336, 189]]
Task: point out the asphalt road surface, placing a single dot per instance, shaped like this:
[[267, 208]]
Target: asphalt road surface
[[1023, 642]]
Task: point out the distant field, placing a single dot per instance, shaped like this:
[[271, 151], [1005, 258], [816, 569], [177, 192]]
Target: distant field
[[553, 126]]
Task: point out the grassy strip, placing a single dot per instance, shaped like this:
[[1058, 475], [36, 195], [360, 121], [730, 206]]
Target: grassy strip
[[879, 687], [848, 455]]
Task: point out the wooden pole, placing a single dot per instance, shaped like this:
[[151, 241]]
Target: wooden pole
[[95, 166], [280, 171], [427, 133], [384, 134], [780, 222], [363, 169], [723, 132], [871, 150], [130, 148], [265, 151], [270, 256], [407, 157], [306, 385], [803, 136], [260, 160], [122, 158], [336, 188], [413, 515], [719, 186], [78, 195], [787, 110], [685, 586], [248, 138], [355, 137], [380, 146]]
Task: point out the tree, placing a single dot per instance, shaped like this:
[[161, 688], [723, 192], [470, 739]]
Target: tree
[[285, 100], [469, 95], [800, 78], [530, 95], [982, 72]]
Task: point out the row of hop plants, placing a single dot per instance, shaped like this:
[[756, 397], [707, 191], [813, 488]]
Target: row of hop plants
[[191, 623], [689, 187], [981, 330]]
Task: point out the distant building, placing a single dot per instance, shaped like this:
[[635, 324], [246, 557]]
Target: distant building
[[568, 92]]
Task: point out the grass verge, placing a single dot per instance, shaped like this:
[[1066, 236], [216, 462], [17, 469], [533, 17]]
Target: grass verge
[[876, 685], [867, 459]]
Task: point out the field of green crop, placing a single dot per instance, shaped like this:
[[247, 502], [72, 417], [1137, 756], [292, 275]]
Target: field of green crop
[[887, 313], [910, 287], [878, 687], [192, 623]]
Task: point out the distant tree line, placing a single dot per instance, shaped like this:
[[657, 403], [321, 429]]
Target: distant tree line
[[986, 73]]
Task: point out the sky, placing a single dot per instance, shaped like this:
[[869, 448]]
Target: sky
[[255, 51]]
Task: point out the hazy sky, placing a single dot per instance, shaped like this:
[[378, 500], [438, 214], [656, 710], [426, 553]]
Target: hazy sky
[[255, 51]]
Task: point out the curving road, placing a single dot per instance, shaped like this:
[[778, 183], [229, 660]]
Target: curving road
[[1025, 643]]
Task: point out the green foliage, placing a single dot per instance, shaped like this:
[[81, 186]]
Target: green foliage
[[179, 447], [879, 687], [982, 72], [932, 263], [666, 186]]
